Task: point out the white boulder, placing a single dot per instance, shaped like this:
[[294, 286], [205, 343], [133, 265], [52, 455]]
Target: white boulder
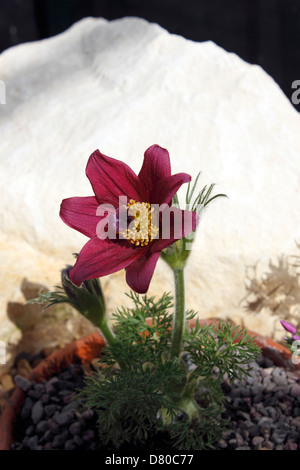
[[122, 86]]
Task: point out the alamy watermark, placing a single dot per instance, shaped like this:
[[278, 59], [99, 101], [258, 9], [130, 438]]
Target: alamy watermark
[[140, 223], [2, 92], [296, 95], [2, 352]]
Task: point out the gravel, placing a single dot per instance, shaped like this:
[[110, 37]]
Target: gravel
[[263, 411]]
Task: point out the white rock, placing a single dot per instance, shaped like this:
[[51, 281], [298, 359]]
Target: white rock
[[122, 86]]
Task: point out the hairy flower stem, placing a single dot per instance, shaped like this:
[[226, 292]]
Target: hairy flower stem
[[179, 314], [107, 333]]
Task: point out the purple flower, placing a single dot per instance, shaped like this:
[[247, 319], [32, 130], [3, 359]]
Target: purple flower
[[136, 249], [289, 327]]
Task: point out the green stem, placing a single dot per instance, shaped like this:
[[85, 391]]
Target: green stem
[[179, 314], [107, 333], [110, 338]]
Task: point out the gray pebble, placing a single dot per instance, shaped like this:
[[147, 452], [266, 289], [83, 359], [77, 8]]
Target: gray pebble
[[295, 390], [32, 442], [291, 446], [54, 428], [279, 436], [265, 423], [222, 444], [27, 408], [257, 442], [64, 418], [60, 439], [50, 409], [23, 383], [268, 445], [279, 375], [75, 428], [37, 412], [70, 445], [41, 427]]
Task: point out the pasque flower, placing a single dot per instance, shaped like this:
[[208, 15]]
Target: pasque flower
[[146, 199]]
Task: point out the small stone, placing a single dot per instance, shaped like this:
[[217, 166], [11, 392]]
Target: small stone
[[268, 445], [75, 428], [265, 423], [222, 444], [47, 437], [23, 383], [279, 375], [78, 440], [236, 392], [253, 430], [239, 439], [63, 419], [68, 398], [232, 443], [257, 442], [291, 446], [32, 442], [45, 398], [297, 411], [279, 436], [50, 386], [60, 439], [272, 412], [26, 408], [245, 391], [258, 398], [41, 427], [256, 388], [243, 415], [37, 412], [48, 446], [70, 445], [54, 428], [295, 390], [30, 430], [37, 391], [65, 385], [50, 409], [87, 415]]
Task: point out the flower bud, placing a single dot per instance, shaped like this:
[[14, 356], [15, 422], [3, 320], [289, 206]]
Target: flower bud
[[87, 299], [289, 327]]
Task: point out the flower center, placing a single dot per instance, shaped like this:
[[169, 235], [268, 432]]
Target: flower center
[[142, 229]]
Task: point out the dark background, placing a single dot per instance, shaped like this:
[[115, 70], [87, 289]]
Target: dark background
[[264, 32]]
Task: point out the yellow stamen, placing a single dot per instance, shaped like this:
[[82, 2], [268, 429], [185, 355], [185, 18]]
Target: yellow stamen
[[141, 230]]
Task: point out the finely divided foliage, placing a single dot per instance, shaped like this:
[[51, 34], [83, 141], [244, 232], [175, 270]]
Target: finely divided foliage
[[149, 395]]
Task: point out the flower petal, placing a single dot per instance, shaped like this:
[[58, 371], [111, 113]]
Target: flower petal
[[80, 213], [166, 188], [140, 272], [156, 165], [102, 257], [111, 178], [175, 224]]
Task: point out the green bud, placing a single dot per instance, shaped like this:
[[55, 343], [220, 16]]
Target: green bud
[[87, 299]]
